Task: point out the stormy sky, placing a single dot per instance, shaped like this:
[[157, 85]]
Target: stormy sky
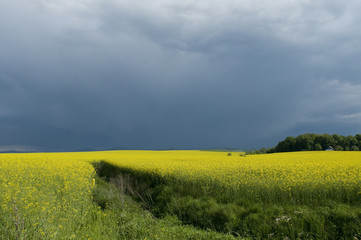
[[176, 74]]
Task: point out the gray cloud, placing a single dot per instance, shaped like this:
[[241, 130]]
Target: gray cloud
[[192, 74]]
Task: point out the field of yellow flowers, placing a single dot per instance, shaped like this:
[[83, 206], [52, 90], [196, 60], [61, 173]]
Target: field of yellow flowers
[[300, 177], [47, 196], [49, 192]]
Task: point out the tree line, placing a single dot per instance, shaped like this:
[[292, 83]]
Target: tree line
[[318, 142]]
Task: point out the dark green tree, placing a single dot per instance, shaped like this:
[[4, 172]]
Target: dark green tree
[[311, 142], [327, 140], [304, 142], [317, 147], [355, 148], [286, 145], [338, 148]]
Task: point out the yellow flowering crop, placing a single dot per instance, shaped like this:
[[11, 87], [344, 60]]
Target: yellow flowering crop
[[46, 190], [299, 176]]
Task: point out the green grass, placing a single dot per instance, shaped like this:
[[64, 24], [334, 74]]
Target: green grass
[[133, 222]]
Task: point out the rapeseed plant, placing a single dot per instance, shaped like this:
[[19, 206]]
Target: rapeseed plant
[[53, 192]]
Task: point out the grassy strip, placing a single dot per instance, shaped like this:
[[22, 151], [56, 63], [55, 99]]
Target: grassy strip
[[133, 222], [223, 212]]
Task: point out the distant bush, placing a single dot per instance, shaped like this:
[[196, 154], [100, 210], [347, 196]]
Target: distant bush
[[261, 151], [338, 148], [317, 147], [355, 148]]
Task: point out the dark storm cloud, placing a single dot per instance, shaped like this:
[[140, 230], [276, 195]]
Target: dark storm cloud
[[193, 74]]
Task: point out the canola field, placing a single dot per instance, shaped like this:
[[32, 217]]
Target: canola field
[[43, 193], [46, 196], [304, 177]]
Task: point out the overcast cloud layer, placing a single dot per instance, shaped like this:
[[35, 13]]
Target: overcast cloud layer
[[176, 74]]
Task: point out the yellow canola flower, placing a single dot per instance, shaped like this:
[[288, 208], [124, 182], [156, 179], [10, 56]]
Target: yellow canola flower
[[50, 188]]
